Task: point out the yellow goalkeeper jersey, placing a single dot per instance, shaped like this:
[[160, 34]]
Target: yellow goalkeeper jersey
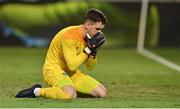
[[66, 50]]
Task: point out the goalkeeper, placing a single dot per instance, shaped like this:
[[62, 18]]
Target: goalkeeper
[[70, 48]]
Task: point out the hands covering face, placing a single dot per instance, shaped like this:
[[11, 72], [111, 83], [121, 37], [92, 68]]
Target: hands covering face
[[94, 43]]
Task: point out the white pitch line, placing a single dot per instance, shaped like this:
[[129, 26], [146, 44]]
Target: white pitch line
[[159, 59]]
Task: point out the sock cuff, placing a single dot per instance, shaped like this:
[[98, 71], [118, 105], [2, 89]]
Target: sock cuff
[[37, 92]]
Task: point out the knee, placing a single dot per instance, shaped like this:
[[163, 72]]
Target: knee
[[100, 91]]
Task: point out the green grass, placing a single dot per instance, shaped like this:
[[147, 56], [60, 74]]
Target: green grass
[[131, 79], [172, 54]]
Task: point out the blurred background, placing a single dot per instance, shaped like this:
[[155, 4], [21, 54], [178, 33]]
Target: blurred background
[[33, 23]]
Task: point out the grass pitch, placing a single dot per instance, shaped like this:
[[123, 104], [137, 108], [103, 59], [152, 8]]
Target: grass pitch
[[131, 79]]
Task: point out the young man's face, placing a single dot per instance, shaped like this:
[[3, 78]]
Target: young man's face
[[93, 28]]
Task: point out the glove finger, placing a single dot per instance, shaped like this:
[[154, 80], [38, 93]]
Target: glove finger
[[97, 34], [92, 42], [100, 43], [100, 38], [89, 42]]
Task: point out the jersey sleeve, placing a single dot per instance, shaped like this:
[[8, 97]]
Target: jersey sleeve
[[73, 60], [91, 62]]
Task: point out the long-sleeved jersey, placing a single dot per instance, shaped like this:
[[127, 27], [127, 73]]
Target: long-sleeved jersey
[[66, 50]]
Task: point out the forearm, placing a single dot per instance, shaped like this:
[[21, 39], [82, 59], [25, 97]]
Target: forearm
[[91, 62], [73, 62]]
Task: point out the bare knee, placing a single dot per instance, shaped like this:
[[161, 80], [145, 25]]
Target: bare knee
[[70, 90], [99, 91], [103, 93]]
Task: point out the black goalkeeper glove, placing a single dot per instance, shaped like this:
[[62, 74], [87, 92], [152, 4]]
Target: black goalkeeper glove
[[94, 43]]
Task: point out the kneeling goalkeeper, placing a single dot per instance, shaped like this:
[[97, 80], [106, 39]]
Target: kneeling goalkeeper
[[70, 48]]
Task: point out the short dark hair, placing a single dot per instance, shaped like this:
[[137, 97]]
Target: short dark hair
[[95, 15]]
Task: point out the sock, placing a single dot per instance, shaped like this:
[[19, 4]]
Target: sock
[[37, 92]]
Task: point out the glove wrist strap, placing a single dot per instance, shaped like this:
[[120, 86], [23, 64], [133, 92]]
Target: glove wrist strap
[[87, 50]]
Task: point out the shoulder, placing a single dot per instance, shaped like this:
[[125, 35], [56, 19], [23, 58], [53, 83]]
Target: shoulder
[[72, 33]]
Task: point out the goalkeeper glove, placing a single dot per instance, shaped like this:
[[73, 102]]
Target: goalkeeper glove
[[94, 43]]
